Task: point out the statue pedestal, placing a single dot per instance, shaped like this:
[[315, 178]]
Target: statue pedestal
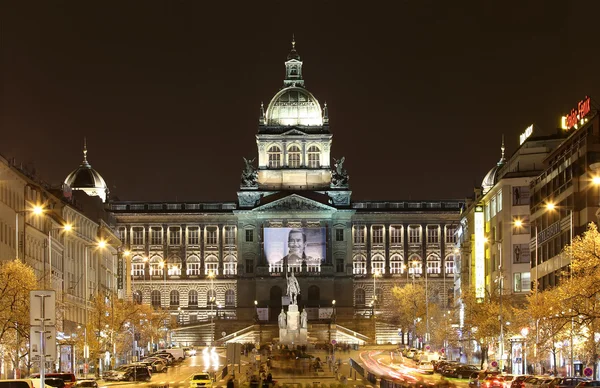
[[293, 334]]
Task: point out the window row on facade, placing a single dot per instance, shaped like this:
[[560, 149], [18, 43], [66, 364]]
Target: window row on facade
[[193, 266], [379, 234], [397, 266], [178, 235], [293, 157], [208, 299]]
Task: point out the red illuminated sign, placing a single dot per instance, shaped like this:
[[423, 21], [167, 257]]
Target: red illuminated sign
[[583, 108]]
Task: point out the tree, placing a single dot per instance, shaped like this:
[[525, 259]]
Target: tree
[[16, 281], [409, 308]]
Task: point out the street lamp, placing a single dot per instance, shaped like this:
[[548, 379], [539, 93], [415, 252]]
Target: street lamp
[[211, 276], [333, 304], [376, 274]]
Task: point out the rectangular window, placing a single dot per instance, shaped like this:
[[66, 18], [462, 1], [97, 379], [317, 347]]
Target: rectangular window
[[211, 267], [339, 265], [377, 235], [499, 200], [520, 195], [487, 212], [433, 234], [229, 235], [194, 236], [414, 234], [175, 235], [396, 267], [449, 266], [156, 235], [249, 235], [211, 235], [360, 268], [137, 235], [493, 207], [359, 234], [522, 282], [123, 235], [451, 234], [339, 234], [230, 268], [249, 266], [521, 253], [396, 234]]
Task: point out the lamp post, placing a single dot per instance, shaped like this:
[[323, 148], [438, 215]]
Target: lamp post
[[334, 316], [376, 273]]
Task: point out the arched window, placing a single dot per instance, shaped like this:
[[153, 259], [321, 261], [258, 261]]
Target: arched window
[[294, 156], [434, 264], [314, 293], [378, 265], [193, 266], [137, 297], [174, 266], [211, 265], [314, 157], [415, 265], [137, 266], [193, 298], [396, 264], [155, 298], [359, 265], [156, 266], [211, 297], [274, 157], [359, 297], [379, 297], [229, 265], [229, 298], [449, 263], [174, 299]]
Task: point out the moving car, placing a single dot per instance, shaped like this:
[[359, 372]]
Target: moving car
[[138, 372], [460, 371], [566, 382], [425, 367], [68, 378], [590, 383], [198, 380]]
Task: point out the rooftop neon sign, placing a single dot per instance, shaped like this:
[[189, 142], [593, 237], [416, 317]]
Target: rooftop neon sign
[[577, 115]]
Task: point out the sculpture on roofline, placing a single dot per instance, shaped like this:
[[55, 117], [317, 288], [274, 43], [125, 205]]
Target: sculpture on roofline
[[249, 174], [339, 176]]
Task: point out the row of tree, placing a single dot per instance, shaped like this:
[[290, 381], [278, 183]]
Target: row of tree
[[112, 323], [550, 321]]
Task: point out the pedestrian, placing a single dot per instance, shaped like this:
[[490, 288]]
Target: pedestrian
[[230, 383]]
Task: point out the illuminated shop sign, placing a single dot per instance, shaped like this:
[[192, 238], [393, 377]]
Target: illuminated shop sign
[[526, 134], [577, 115], [548, 233], [479, 253]]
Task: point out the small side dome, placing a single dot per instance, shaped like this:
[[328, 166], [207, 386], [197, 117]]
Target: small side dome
[[87, 179], [490, 180], [294, 106]]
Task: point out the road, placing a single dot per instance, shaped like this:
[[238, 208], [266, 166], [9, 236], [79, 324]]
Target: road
[[178, 375]]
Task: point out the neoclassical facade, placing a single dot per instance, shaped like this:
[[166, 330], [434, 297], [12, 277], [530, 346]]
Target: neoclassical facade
[[230, 260]]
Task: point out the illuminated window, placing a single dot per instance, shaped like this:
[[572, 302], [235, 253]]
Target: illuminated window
[[414, 234], [174, 266], [377, 234], [137, 266], [211, 235], [449, 264], [294, 157], [522, 282], [229, 235], [156, 235], [451, 234], [434, 264], [314, 157], [211, 297], [123, 235], [193, 236], [396, 234], [499, 196], [377, 264], [359, 297], [211, 265], [433, 234], [175, 236], [274, 157], [229, 298], [396, 265], [137, 235], [155, 298], [193, 266], [493, 207], [229, 266], [359, 234], [156, 266], [359, 265], [415, 265]]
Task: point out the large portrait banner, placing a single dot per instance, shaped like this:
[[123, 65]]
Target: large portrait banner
[[295, 245]]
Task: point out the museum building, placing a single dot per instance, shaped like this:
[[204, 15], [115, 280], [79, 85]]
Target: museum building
[[227, 262]]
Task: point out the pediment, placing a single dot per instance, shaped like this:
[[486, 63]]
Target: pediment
[[294, 132], [295, 203]]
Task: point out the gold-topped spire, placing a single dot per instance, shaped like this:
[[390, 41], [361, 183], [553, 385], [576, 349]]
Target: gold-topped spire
[[502, 149], [85, 150], [293, 41]]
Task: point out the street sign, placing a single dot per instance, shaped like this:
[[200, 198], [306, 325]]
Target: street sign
[[36, 343], [588, 372], [494, 364], [427, 347], [39, 299], [333, 342], [442, 350]]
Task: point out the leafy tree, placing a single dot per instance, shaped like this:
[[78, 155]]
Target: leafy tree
[[409, 308], [16, 281]]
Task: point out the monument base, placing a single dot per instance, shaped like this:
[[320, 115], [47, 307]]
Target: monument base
[[293, 337]]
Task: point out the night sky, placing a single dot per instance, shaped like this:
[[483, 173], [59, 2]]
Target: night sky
[[168, 93]]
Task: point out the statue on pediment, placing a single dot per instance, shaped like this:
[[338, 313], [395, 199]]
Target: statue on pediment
[[249, 175], [339, 176]]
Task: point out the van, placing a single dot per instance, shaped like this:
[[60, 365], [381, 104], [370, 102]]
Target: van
[[21, 383], [177, 353]]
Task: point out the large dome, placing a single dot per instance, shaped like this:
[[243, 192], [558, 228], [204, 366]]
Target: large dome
[[294, 106], [87, 179]]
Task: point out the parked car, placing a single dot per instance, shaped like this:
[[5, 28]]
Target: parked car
[[519, 381], [425, 367], [590, 383], [132, 372], [68, 378], [198, 380], [158, 365], [460, 371], [85, 384], [55, 382], [440, 366], [20, 383], [493, 381], [567, 382]]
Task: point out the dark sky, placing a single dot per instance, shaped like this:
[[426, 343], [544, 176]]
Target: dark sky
[[168, 93]]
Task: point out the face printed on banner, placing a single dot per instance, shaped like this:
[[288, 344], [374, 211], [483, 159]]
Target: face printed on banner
[[296, 243]]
